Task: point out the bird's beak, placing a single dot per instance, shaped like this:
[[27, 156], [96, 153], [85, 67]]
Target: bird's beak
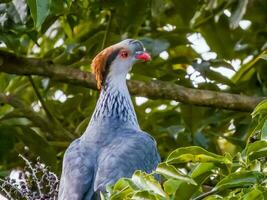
[[142, 55]]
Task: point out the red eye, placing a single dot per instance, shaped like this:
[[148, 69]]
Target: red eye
[[124, 54]]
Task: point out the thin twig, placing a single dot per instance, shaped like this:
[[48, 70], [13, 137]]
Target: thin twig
[[11, 186], [6, 193], [47, 111], [40, 98], [33, 174]]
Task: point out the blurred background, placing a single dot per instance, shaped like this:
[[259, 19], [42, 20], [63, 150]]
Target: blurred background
[[214, 45]]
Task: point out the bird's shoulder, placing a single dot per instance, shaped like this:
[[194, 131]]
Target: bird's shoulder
[[137, 141], [137, 135]]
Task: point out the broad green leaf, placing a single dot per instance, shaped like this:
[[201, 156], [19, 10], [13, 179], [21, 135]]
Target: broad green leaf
[[260, 108], [214, 197], [7, 141], [121, 189], [238, 13], [221, 63], [246, 71], [40, 9], [254, 194], [155, 46], [256, 150], [195, 154], [219, 41], [264, 131], [169, 171], [144, 195], [121, 184], [171, 185], [239, 179], [264, 56], [4, 82], [147, 182], [200, 174], [202, 171], [218, 77], [38, 145]]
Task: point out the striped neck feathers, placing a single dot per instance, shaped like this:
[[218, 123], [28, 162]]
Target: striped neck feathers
[[115, 105]]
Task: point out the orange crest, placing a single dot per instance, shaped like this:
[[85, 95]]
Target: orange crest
[[99, 65]]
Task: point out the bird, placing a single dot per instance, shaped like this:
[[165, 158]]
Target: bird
[[113, 145]]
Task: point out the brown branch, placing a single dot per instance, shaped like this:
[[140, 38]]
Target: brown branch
[[13, 64]]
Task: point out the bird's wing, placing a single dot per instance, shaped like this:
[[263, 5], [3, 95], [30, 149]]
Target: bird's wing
[[124, 155], [77, 173]]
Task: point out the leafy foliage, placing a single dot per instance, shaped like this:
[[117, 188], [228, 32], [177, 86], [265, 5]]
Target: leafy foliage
[[194, 173], [45, 115]]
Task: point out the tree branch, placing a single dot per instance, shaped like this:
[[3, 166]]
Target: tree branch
[[12, 64]]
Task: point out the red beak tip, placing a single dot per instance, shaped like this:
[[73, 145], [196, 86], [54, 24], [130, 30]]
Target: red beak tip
[[144, 56]]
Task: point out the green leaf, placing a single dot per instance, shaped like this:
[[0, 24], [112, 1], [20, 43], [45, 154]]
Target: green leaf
[[121, 184], [195, 154], [214, 197], [144, 195], [221, 63], [40, 9], [155, 46], [7, 141], [246, 71], [218, 77], [238, 13], [169, 171], [38, 145], [201, 172], [264, 56], [4, 82], [256, 150], [264, 131], [260, 108], [171, 185], [239, 179], [254, 194], [147, 182], [122, 189]]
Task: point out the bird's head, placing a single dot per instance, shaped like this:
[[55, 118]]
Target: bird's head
[[117, 60]]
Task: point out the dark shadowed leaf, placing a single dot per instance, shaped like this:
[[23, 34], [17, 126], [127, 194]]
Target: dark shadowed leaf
[[39, 10], [239, 179], [256, 150]]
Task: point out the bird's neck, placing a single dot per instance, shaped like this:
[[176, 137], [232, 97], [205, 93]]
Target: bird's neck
[[114, 105]]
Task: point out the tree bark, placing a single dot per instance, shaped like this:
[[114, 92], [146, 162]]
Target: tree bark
[[12, 64]]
